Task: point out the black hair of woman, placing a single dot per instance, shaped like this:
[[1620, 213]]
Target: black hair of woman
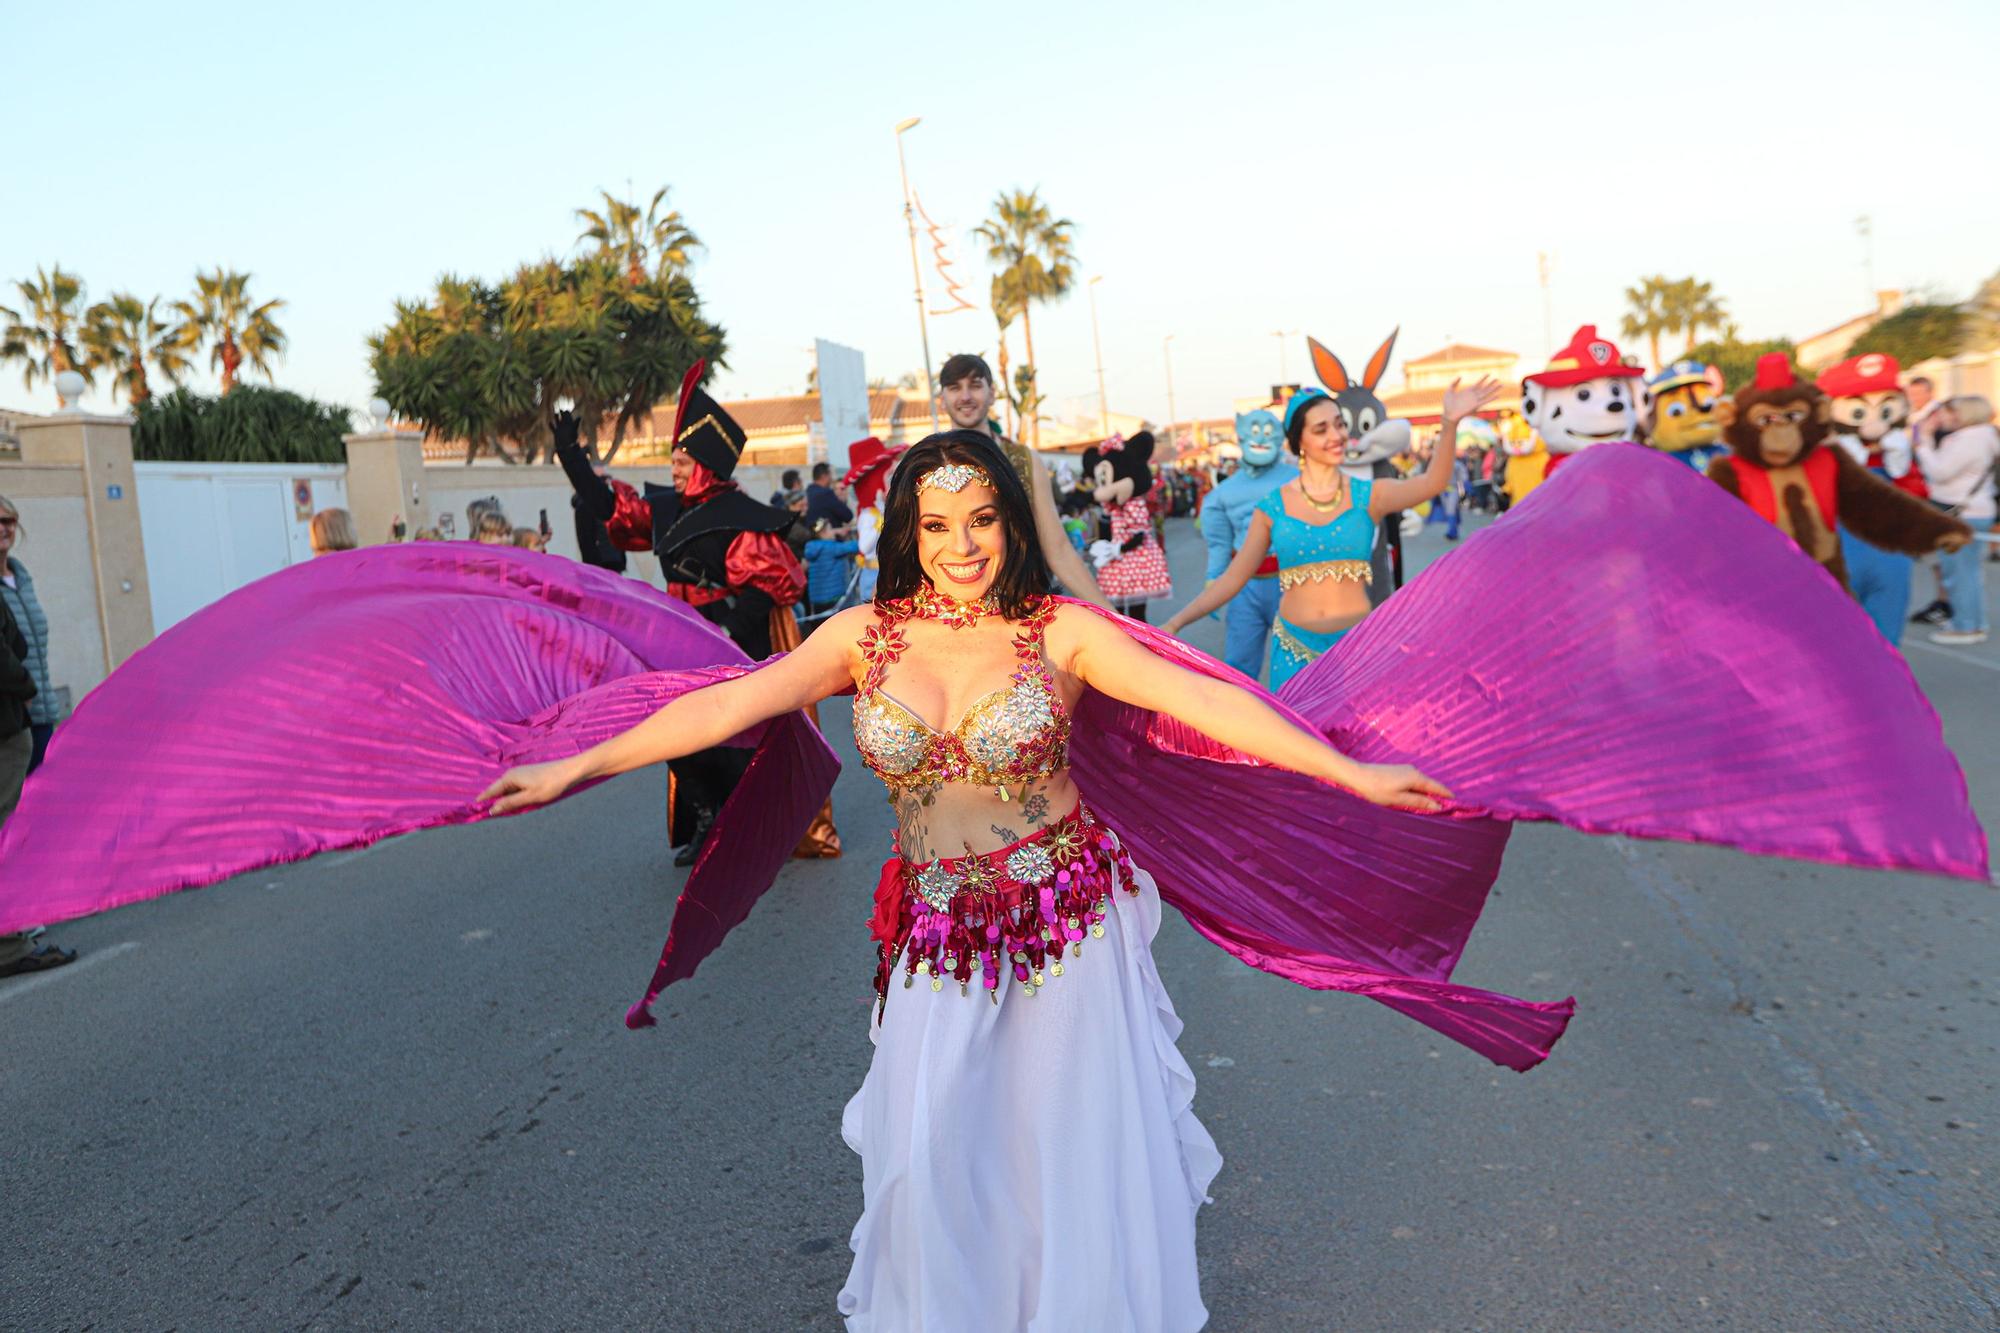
[[1024, 575]]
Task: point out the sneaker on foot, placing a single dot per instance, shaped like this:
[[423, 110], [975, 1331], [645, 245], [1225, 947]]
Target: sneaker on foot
[[1937, 613], [1958, 637]]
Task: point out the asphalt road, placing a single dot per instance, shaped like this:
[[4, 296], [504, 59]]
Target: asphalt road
[[391, 1090]]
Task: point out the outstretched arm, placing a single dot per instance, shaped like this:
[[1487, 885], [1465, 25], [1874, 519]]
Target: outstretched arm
[[1064, 561], [1256, 545], [1389, 496], [819, 667], [1106, 658], [1890, 518]]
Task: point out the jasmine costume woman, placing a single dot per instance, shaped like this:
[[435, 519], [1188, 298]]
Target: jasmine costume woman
[[1030, 1157], [1321, 529]]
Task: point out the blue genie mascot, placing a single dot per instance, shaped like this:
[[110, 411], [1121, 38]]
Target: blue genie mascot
[[1225, 522]]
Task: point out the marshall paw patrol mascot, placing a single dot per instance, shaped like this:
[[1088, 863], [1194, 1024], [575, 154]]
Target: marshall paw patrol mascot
[[1687, 414], [1588, 395], [1225, 522], [1868, 410]]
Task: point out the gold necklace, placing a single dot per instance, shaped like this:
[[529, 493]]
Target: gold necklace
[[1324, 506]]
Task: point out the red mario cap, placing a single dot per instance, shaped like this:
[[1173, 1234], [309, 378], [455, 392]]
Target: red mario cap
[[1872, 372], [1588, 357]]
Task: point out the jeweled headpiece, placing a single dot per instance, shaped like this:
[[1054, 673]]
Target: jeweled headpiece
[[953, 477]]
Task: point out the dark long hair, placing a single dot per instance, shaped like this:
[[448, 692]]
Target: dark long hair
[[1024, 575]]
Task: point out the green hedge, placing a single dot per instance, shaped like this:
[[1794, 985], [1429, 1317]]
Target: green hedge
[[250, 425]]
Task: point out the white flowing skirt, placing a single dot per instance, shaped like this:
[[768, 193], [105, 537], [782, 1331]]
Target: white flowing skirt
[[1034, 1165]]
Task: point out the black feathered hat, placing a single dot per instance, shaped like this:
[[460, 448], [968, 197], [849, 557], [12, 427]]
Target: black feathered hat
[[709, 434]]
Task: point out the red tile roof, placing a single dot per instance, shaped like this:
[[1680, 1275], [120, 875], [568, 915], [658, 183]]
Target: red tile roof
[[1459, 352]]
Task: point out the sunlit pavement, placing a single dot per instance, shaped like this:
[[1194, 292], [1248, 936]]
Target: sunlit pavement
[[392, 1090]]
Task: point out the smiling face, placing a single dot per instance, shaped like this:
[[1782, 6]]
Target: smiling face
[[1259, 436], [1323, 437], [683, 465], [1573, 417], [961, 546], [10, 529], [969, 402], [1871, 415]]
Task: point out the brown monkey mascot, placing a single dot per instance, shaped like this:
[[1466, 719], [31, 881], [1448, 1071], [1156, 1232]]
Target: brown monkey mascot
[[1777, 467]]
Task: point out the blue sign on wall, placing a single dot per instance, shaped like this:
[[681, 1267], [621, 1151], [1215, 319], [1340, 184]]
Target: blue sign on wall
[[114, 492]]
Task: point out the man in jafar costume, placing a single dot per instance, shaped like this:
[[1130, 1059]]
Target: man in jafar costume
[[725, 555]]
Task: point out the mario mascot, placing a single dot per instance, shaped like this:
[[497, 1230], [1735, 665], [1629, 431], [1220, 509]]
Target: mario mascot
[[1868, 412]]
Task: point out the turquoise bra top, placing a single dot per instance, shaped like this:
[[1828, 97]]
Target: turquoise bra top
[[1297, 542]]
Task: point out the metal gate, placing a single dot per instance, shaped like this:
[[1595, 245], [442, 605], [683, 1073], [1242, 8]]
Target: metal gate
[[211, 528]]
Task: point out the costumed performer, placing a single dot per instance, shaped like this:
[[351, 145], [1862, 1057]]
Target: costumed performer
[[965, 388], [1527, 462], [1060, 1105], [1869, 412], [1324, 564], [1225, 521], [1375, 443], [1683, 421], [1132, 566], [723, 554], [1778, 467], [1587, 395], [868, 465]]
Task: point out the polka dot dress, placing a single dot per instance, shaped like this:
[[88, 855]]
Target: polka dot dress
[[1141, 573]]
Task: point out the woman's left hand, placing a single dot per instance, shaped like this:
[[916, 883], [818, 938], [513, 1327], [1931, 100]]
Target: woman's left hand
[[1462, 403], [1399, 786]]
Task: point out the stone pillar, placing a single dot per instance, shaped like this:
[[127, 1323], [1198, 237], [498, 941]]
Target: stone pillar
[[385, 482], [102, 448]]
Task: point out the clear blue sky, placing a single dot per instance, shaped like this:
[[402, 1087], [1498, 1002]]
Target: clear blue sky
[[1233, 169]]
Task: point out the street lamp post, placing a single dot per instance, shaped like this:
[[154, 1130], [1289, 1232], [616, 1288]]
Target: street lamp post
[[916, 269], [1173, 423], [1284, 372], [1097, 345]]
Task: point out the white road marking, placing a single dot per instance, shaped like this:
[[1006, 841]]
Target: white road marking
[[35, 980], [1942, 651]]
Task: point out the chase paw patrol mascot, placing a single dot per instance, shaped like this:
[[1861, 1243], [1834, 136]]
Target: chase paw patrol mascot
[[1587, 396], [1225, 521], [1688, 414], [1868, 412]]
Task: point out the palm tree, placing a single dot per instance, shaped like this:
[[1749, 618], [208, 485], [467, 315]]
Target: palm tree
[[236, 331], [636, 238], [1647, 317], [1689, 307], [45, 339], [1005, 307], [122, 334], [1036, 256]]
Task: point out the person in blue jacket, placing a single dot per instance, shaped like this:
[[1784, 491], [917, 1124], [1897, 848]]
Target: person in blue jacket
[[829, 562]]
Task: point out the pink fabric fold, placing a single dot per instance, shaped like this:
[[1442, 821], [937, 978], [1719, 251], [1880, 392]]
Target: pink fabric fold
[[376, 692], [1630, 650]]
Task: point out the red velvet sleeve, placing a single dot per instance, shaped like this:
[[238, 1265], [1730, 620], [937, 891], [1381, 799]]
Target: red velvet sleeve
[[762, 560], [631, 523]]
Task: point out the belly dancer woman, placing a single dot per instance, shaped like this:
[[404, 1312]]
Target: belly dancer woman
[[1321, 528], [1023, 1153]]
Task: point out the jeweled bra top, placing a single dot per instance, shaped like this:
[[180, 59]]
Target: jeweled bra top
[[1008, 737], [1311, 552]]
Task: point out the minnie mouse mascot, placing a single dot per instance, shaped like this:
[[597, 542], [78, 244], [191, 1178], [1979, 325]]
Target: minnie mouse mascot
[[1131, 567]]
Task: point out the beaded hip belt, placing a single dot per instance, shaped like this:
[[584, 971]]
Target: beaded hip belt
[[996, 913], [1340, 571]]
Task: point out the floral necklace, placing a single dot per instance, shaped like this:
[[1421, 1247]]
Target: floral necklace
[[929, 604]]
